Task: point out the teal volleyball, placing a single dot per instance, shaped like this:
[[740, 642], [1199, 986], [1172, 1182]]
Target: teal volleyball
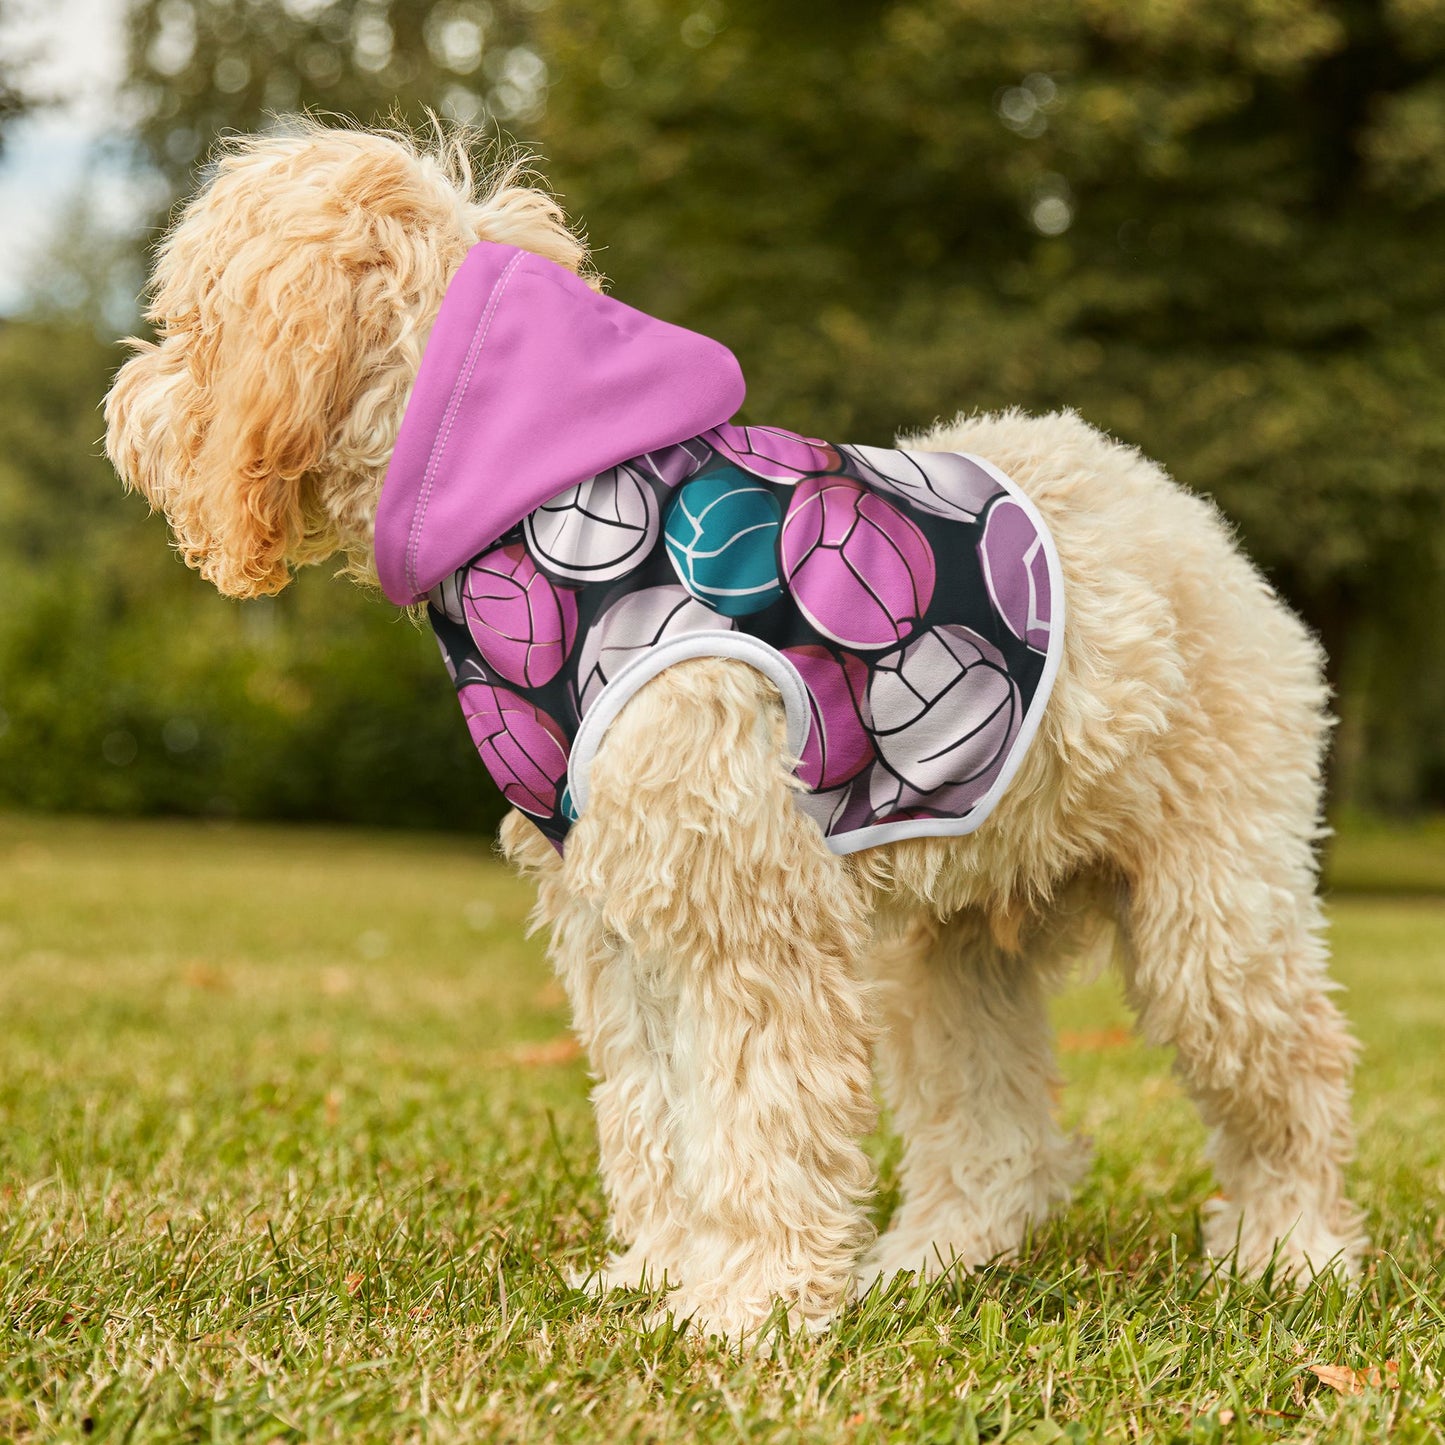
[[721, 533]]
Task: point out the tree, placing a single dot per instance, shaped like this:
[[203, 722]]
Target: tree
[[1217, 230], [127, 685], [15, 97], [202, 67]]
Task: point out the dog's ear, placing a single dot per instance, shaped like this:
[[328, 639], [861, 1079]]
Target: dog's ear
[[287, 288], [222, 421], [144, 413], [292, 301], [277, 354]]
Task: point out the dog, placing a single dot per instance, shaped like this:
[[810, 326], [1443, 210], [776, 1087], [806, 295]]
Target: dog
[[731, 975]]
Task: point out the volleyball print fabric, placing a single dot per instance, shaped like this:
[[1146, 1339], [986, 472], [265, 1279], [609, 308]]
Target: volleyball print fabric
[[911, 601]]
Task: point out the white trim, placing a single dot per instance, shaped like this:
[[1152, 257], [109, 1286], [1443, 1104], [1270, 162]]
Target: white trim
[[714, 642], [773, 665], [860, 838]]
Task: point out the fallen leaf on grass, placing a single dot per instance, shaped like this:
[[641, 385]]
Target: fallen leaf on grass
[[335, 982], [1345, 1381], [554, 1051], [1096, 1041], [354, 1283], [204, 976]]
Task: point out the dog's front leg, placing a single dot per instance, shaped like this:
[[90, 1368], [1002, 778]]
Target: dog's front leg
[[622, 1014], [742, 930]]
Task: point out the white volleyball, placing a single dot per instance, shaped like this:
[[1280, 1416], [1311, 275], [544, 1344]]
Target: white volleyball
[[943, 484], [945, 713], [631, 627], [598, 530]]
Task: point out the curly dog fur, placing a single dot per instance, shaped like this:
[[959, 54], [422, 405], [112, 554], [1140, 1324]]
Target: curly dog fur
[[731, 979]]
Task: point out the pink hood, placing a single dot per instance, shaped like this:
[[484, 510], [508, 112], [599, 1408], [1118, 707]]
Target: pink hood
[[531, 382]]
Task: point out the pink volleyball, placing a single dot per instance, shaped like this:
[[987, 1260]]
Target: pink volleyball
[[860, 571], [1016, 572], [838, 747], [771, 453], [524, 750], [944, 484], [522, 623], [945, 713]]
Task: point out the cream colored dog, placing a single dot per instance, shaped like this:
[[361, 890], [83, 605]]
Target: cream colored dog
[[731, 977]]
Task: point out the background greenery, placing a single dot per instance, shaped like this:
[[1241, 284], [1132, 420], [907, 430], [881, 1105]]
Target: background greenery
[[1215, 227]]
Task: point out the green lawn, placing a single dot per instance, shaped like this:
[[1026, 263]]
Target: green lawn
[[1371, 856], [292, 1147]]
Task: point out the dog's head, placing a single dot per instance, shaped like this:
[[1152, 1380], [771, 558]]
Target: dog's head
[[291, 302]]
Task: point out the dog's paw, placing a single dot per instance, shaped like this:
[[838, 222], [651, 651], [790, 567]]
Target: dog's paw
[[957, 1242], [632, 1270], [897, 1254], [965, 1228], [1298, 1246], [753, 1324]]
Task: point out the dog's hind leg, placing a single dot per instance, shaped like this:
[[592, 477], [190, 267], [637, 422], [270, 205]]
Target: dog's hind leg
[[742, 930], [1224, 950], [966, 1059], [1225, 960]]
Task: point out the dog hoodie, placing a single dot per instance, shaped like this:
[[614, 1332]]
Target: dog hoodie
[[572, 498]]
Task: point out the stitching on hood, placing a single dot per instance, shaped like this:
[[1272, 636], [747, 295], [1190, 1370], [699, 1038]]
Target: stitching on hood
[[459, 388]]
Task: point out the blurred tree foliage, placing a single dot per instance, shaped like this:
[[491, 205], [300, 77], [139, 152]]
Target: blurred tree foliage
[[201, 67], [128, 686], [1215, 227], [15, 97]]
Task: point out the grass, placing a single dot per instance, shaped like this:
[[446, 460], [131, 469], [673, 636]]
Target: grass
[[292, 1147], [1395, 858]]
